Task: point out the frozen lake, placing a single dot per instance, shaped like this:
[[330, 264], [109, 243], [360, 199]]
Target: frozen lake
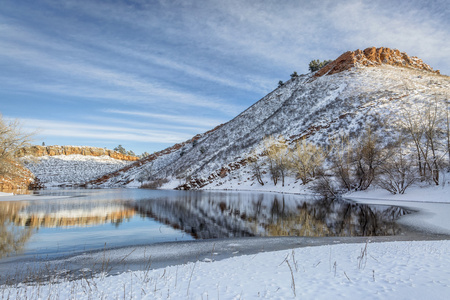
[[55, 223], [79, 231]]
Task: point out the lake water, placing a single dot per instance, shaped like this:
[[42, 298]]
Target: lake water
[[63, 222]]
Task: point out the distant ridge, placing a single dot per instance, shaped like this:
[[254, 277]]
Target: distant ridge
[[372, 57], [39, 151]]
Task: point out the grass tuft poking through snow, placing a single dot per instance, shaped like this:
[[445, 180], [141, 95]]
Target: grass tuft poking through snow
[[391, 270]]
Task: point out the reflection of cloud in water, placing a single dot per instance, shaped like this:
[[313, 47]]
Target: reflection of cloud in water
[[219, 215]]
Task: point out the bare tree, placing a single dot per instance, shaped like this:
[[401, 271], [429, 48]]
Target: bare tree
[[305, 159], [355, 163], [447, 130], [256, 167], [341, 156], [424, 126], [276, 152], [368, 156], [397, 173], [12, 138]]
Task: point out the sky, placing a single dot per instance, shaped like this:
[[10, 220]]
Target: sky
[[148, 74]]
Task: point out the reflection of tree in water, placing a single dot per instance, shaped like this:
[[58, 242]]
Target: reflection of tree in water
[[12, 238], [218, 216], [334, 218]]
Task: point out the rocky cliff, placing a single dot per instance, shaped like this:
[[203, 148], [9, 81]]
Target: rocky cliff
[[19, 182], [38, 151], [372, 57]]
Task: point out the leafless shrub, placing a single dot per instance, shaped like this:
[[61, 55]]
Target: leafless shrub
[[276, 151], [426, 125], [12, 138], [355, 163], [306, 159], [325, 186], [398, 172], [257, 172], [155, 184]]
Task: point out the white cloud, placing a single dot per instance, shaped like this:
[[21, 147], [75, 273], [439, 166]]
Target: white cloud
[[121, 85], [190, 120], [85, 130]]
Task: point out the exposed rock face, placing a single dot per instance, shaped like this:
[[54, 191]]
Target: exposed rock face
[[372, 57], [20, 182], [68, 150]]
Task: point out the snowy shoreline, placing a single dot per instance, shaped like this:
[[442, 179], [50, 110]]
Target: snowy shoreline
[[401, 270]]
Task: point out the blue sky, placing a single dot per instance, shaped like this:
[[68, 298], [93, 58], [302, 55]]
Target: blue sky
[[148, 74]]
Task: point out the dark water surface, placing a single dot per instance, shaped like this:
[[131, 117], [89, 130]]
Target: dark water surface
[[78, 221]]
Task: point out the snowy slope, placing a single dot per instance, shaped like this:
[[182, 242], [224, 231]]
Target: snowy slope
[[307, 106], [71, 170]]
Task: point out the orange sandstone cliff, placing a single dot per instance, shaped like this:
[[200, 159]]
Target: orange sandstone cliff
[[68, 150], [372, 57]]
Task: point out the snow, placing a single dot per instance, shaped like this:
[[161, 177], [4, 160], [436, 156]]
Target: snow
[[342, 104], [390, 270], [439, 193], [432, 204], [72, 169]]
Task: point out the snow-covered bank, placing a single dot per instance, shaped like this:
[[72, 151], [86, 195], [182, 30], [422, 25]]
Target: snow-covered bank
[[393, 270], [431, 203], [415, 193]]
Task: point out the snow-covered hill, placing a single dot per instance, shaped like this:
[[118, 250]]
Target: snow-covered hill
[[359, 89], [70, 170]]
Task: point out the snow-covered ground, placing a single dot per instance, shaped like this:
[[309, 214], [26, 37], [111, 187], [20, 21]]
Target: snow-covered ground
[[429, 193], [434, 218], [72, 169], [391, 270]]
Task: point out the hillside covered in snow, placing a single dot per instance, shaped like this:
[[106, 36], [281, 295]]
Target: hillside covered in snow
[[381, 91], [56, 166]]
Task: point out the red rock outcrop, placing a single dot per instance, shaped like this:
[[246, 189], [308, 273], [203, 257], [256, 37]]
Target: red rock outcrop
[[68, 150], [372, 57]]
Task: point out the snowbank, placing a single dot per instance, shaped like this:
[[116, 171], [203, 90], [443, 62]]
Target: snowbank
[[420, 194], [392, 270]]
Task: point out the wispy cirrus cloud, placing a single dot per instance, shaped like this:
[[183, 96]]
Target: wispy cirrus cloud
[[188, 65], [177, 119], [100, 132]]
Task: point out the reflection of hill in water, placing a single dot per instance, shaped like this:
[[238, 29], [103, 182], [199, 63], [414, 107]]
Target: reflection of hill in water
[[12, 238], [18, 220], [72, 213], [215, 215], [64, 213]]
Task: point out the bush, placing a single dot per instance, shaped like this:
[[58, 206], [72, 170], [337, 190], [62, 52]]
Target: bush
[[397, 172], [316, 64], [11, 140], [155, 184], [306, 159]]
